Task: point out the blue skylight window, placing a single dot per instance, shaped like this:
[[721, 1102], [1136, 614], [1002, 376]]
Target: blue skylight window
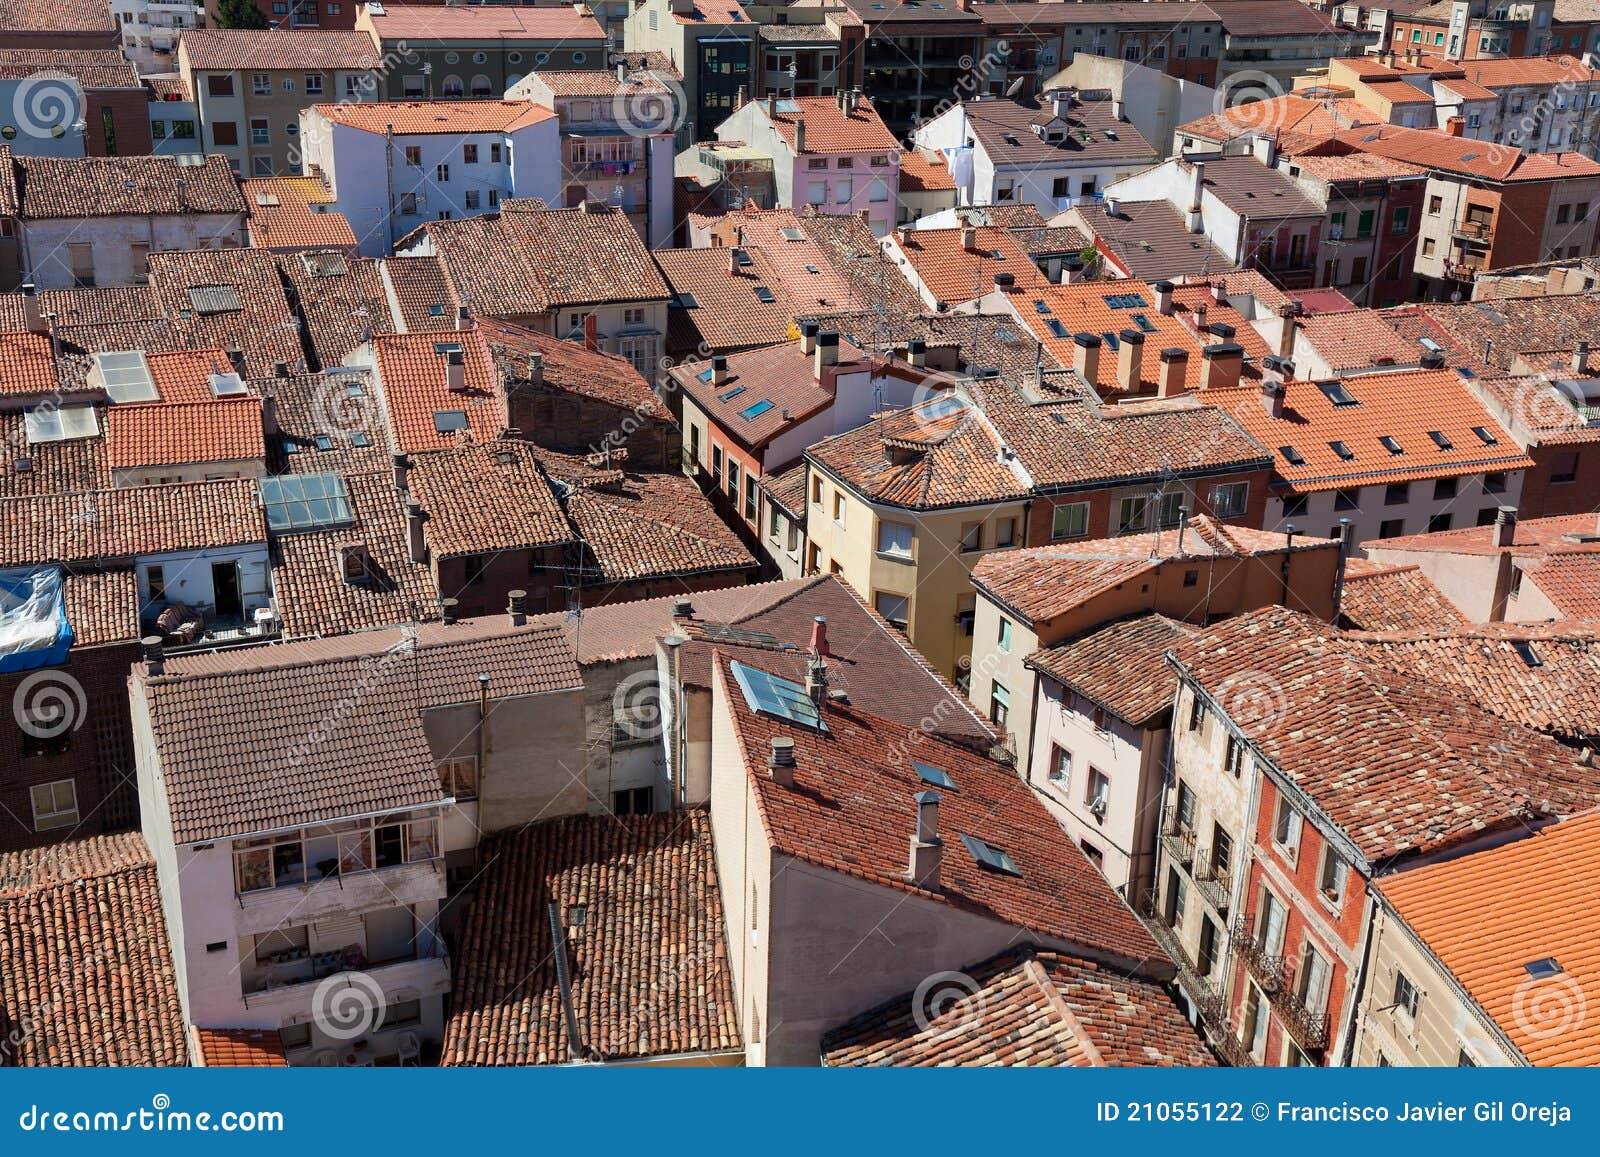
[[934, 776], [449, 421], [756, 410], [781, 698], [991, 857], [1126, 301], [297, 502]]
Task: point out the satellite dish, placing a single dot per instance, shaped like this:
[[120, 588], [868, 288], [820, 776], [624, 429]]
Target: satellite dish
[[1015, 86]]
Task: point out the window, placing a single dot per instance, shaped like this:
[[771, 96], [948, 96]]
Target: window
[[1228, 500], [441, 172], [408, 204], [261, 166], [458, 775], [1207, 958], [733, 480], [635, 801], [1438, 522], [1391, 528], [1197, 713], [972, 536], [1405, 997], [1397, 494], [894, 540], [1347, 499], [999, 704], [1296, 505], [1332, 877], [1563, 468], [1427, 246], [1060, 766], [1312, 982], [260, 131], [414, 156], [225, 134], [1005, 532], [1070, 520], [1401, 222], [55, 805], [219, 86], [838, 508], [1004, 638], [156, 579], [1435, 205], [750, 498], [470, 199], [1097, 792], [1235, 755], [261, 84], [313, 84], [469, 154], [716, 465], [1131, 514], [1494, 483], [1286, 828], [817, 192], [894, 608]]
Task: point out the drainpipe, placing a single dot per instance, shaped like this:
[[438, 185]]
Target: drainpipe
[[483, 730]]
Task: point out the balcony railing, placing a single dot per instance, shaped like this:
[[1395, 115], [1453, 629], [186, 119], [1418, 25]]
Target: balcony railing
[[1214, 880], [1179, 844], [1474, 230], [1203, 993], [1274, 975]]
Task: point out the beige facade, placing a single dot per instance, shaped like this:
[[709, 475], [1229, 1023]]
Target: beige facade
[[252, 116]]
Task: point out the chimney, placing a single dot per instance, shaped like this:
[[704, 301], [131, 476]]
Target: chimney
[[927, 849], [517, 608], [418, 549], [280, 369], [917, 352], [780, 764], [1119, 110], [1431, 360], [536, 368], [591, 333], [1221, 331], [1580, 359], [1130, 360], [1163, 297], [1198, 316], [1272, 397], [455, 372], [463, 317], [1111, 206], [827, 352], [155, 658], [808, 337], [1194, 221], [969, 238], [1086, 356], [1005, 282], [733, 261], [1277, 369], [682, 610], [772, 106], [449, 610], [819, 636], [1174, 372], [719, 369], [402, 469], [1505, 527], [1221, 365], [1061, 104], [33, 316], [622, 73], [1071, 271], [1290, 313], [817, 682], [1266, 150], [1456, 126], [799, 136]]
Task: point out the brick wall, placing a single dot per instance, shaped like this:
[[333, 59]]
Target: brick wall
[[130, 122], [1542, 497]]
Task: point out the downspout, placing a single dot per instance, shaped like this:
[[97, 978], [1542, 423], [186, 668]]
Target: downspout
[[388, 174], [1347, 1052]]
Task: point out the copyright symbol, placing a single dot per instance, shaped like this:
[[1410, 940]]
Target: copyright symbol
[[1259, 1111]]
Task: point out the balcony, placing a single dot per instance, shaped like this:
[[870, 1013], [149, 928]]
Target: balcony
[[1274, 975], [1178, 842], [339, 894], [1478, 232], [1214, 881], [1462, 270], [427, 973], [1202, 992]]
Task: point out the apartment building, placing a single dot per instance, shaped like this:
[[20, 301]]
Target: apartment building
[[476, 50], [1048, 153], [617, 141], [250, 87], [104, 114], [391, 166], [149, 29], [1477, 29], [1271, 848], [714, 46]]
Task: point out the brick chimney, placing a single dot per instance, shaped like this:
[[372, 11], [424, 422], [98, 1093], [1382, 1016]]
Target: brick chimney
[[402, 470], [917, 352], [969, 238], [32, 314], [1163, 297], [817, 682], [1130, 360], [808, 337], [417, 546], [154, 651], [455, 372], [1086, 356], [719, 369], [1456, 126], [591, 333], [463, 317], [1289, 313], [927, 849], [1174, 372], [819, 636], [799, 136], [517, 607], [1221, 365]]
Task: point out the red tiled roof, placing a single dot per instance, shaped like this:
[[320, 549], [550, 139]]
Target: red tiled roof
[[712, 12], [416, 117], [1393, 598], [102, 606], [782, 376], [342, 300], [55, 187], [829, 128], [1121, 667], [953, 272], [1396, 762], [181, 433], [486, 498], [420, 287], [922, 174], [1404, 405], [238, 1048], [1286, 114], [115, 524], [1030, 1008], [260, 50], [1356, 340], [412, 371], [91, 67], [851, 810], [1531, 538], [727, 314], [1438, 150], [648, 957], [425, 23], [283, 217], [27, 364], [1086, 307], [263, 328], [1479, 917], [1571, 581], [86, 972], [573, 368]]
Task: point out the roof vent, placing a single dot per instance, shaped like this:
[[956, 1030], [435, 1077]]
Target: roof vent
[[780, 763]]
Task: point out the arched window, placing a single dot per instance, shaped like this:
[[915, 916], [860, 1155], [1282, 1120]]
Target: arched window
[[452, 86], [482, 86]]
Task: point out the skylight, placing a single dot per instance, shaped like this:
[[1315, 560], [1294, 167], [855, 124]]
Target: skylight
[[764, 295], [209, 299], [731, 394], [1544, 967], [756, 410], [785, 105], [449, 421], [1334, 391], [1058, 328], [296, 502], [126, 376], [1292, 456], [934, 776], [1391, 444], [687, 301], [771, 695], [941, 406], [1342, 450], [60, 423], [1126, 301], [1527, 654], [792, 234], [989, 856], [1041, 309], [1144, 323], [226, 385], [1113, 342], [1485, 437], [1440, 440]]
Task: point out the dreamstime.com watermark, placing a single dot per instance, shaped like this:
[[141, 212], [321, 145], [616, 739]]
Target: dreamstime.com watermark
[[160, 1117]]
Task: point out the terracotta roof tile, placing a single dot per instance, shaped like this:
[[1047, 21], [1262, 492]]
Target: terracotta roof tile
[[423, 295], [69, 16], [1030, 1009], [1399, 764], [1286, 114], [953, 272], [486, 498], [1513, 325], [91, 67], [573, 368], [86, 972], [56, 187], [429, 24], [176, 433], [712, 12], [342, 299], [102, 606], [848, 243], [243, 735], [284, 215], [1356, 340], [260, 50], [415, 117], [1532, 538], [595, 82], [924, 174], [1150, 240], [1105, 309], [1121, 667], [340, 406], [113, 524], [1482, 921], [262, 327], [75, 465], [727, 314], [237, 1048], [1393, 598], [830, 129], [1571, 581], [29, 365], [651, 909], [851, 811], [782, 376], [1405, 405], [411, 368]]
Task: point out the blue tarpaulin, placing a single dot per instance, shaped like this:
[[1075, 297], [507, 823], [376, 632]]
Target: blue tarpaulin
[[34, 631]]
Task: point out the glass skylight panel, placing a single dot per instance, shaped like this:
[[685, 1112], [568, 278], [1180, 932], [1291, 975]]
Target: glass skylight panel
[[756, 410], [209, 299], [301, 502], [1484, 436], [60, 424], [1342, 450], [939, 407], [1440, 439], [1126, 301], [989, 856], [934, 776], [781, 698], [126, 375], [1144, 323], [764, 295], [449, 421], [1391, 444], [1334, 391], [1292, 456], [227, 385], [731, 394]]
